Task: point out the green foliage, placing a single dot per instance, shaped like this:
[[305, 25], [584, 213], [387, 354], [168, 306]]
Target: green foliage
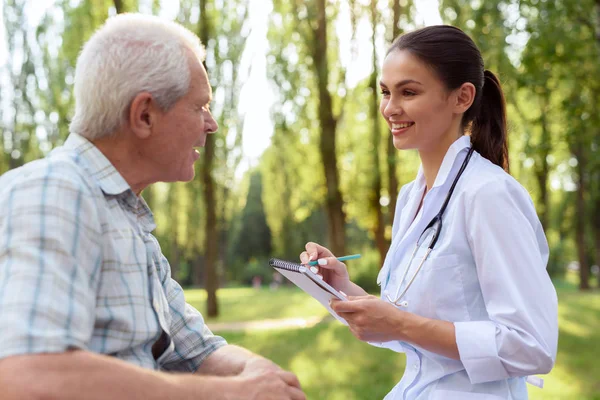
[[547, 54], [252, 246]]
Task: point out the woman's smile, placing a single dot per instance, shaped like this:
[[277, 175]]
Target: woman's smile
[[398, 128]]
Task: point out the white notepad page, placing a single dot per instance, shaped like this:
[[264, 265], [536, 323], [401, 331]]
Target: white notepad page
[[321, 291]]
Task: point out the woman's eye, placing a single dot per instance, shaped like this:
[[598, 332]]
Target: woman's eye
[[408, 93], [385, 92]]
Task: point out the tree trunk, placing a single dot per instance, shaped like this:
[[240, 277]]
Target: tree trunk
[[211, 230], [543, 169], [580, 237], [334, 204], [175, 258], [392, 152], [119, 6], [378, 225], [596, 225], [597, 205]]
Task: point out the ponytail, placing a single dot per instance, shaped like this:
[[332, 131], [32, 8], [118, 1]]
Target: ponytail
[[488, 130]]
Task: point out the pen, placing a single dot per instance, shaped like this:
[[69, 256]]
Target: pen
[[343, 258]]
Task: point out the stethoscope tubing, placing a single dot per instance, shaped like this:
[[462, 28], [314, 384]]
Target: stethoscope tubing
[[435, 220]]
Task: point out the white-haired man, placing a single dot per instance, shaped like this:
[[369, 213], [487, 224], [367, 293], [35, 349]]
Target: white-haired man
[[88, 309]]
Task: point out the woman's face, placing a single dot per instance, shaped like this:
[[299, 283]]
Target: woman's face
[[418, 108]]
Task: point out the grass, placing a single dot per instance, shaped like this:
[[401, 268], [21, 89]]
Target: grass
[[248, 304], [332, 364]]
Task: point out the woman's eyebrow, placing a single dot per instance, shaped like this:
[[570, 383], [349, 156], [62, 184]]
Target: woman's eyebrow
[[402, 83]]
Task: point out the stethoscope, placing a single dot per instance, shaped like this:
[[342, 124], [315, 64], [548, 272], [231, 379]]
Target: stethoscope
[[436, 225]]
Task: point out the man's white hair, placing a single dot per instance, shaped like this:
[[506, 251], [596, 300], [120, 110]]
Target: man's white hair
[[130, 54]]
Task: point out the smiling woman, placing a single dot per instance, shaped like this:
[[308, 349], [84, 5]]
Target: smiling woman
[[471, 304]]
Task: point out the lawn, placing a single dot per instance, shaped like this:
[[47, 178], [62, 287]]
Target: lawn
[[248, 304], [332, 364]]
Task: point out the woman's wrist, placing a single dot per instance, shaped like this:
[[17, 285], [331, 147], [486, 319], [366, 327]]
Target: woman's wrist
[[352, 289]]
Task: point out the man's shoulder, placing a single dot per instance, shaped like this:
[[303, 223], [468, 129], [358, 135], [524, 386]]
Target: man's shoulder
[[59, 169]]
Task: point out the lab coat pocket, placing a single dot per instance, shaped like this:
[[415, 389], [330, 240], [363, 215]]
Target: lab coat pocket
[[445, 287], [454, 395], [442, 261]]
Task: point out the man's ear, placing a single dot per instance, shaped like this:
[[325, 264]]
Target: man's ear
[[465, 96], [142, 115]]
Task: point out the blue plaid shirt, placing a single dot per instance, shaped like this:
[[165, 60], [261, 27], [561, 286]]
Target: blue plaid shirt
[[80, 269]]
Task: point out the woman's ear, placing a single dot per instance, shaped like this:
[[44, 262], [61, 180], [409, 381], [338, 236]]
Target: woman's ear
[[465, 96], [141, 115]]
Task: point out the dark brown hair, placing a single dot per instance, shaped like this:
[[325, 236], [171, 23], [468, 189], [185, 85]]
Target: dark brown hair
[[455, 58]]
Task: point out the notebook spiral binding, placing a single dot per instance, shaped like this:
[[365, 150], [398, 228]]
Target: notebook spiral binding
[[287, 265]]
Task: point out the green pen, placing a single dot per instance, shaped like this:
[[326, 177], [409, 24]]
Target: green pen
[[343, 258]]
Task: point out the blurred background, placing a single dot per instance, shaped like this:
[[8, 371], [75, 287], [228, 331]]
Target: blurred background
[[302, 154]]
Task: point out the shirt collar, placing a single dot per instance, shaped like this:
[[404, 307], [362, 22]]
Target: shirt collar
[[109, 179], [455, 148]]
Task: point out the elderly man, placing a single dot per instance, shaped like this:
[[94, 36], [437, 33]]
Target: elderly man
[[88, 309]]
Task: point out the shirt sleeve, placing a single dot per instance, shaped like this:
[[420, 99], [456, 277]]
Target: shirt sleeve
[[510, 253], [192, 339], [49, 252]]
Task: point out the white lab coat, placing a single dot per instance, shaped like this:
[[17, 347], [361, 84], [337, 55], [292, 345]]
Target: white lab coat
[[487, 274]]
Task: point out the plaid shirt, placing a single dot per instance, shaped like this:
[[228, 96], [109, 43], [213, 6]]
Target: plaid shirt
[[79, 267]]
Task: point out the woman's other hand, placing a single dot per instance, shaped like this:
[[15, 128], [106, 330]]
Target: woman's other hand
[[371, 319]]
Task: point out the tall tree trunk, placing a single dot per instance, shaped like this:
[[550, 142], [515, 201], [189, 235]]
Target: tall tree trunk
[[334, 204], [119, 6], [174, 238], [223, 230], [596, 203], [208, 185], [597, 193], [543, 169], [379, 225], [580, 237], [596, 228], [392, 152]]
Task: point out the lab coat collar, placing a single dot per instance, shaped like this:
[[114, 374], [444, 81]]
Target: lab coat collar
[[455, 148]]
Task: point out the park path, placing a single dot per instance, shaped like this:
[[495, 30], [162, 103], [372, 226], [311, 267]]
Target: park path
[[267, 324]]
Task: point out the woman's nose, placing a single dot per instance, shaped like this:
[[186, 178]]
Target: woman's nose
[[391, 108]]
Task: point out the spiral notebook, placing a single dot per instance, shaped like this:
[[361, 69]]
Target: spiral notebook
[[310, 282]]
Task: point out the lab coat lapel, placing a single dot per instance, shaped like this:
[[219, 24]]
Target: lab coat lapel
[[407, 215]]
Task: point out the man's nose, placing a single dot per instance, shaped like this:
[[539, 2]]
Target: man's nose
[[211, 126]]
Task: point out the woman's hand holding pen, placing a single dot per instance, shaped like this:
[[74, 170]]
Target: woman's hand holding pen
[[371, 319], [333, 271]]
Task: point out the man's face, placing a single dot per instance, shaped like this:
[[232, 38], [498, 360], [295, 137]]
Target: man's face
[[177, 132]]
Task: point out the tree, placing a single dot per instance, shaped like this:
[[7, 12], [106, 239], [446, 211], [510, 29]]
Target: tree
[[254, 238], [378, 226]]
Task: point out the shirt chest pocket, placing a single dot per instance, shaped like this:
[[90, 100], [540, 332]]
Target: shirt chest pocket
[[123, 293], [443, 287], [126, 250]]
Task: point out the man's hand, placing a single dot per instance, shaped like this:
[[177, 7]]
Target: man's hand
[[265, 380], [371, 319]]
